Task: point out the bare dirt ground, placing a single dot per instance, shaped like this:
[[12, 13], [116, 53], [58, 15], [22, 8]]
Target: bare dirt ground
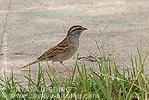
[[34, 26]]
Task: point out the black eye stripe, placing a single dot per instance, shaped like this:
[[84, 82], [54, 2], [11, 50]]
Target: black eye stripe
[[75, 29]]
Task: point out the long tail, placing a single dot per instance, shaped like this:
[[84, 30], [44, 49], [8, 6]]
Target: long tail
[[29, 64]]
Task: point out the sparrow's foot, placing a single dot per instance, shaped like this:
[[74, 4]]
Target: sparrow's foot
[[67, 69]]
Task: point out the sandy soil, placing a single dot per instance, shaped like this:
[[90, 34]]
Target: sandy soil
[[32, 27]]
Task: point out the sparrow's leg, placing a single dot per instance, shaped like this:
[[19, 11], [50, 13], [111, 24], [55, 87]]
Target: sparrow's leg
[[67, 69], [53, 66]]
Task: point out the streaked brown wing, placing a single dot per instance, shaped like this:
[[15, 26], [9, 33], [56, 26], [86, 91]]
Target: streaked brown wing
[[60, 48]]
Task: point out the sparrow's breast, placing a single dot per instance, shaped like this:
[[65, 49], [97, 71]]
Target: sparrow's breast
[[73, 47]]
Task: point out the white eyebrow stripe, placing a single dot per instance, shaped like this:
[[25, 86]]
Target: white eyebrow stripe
[[75, 28]]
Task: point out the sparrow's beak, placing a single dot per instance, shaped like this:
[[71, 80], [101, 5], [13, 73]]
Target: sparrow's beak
[[84, 28]]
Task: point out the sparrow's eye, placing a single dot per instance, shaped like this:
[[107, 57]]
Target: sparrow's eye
[[79, 28]]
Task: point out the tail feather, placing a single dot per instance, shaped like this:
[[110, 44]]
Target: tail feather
[[29, 64]]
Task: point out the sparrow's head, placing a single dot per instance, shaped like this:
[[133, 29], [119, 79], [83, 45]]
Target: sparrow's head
[[76, 30]]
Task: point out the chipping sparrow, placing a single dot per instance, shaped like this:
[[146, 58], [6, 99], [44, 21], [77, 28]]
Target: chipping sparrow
[[65, 49]]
